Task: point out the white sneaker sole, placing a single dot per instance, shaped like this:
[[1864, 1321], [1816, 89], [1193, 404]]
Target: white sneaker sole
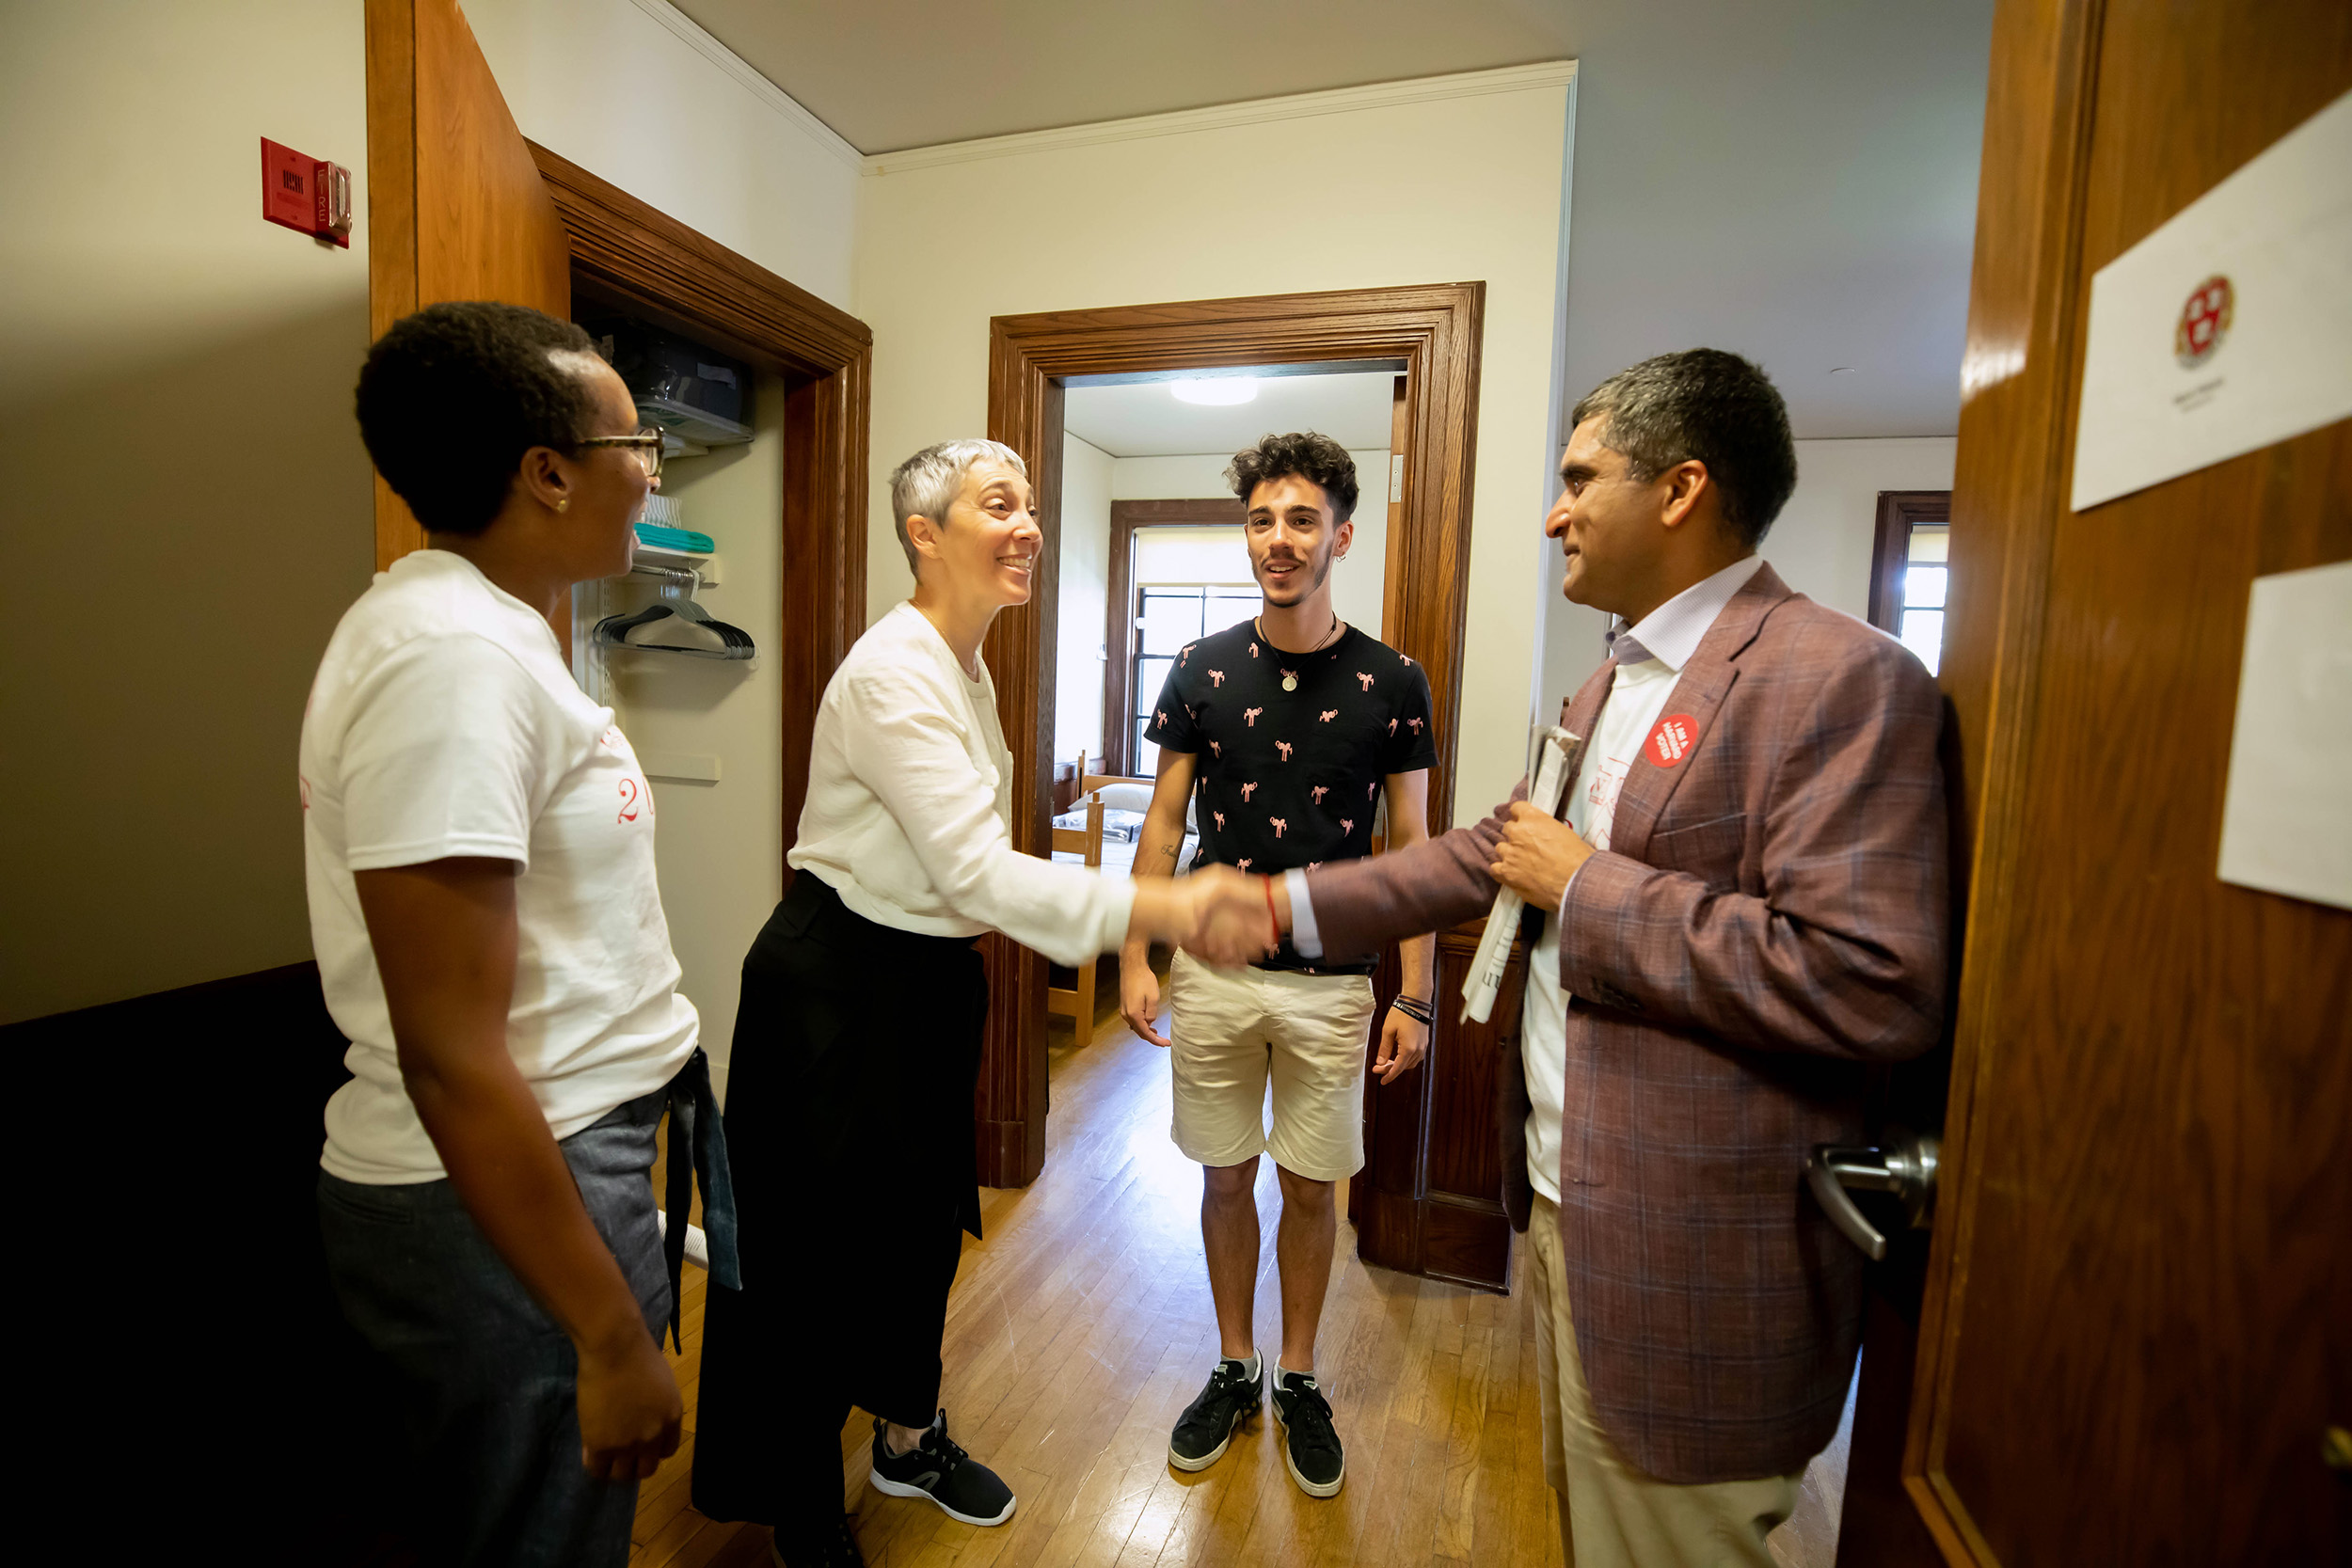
[[1326, 1489], [900, 1489]]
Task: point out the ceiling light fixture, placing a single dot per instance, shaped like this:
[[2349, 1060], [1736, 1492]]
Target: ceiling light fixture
[[1222, 391]]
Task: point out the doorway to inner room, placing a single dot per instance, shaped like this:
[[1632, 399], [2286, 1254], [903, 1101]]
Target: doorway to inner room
[[1152, 556], [1432, 332]]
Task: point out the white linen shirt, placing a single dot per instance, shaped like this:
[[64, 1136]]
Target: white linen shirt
[[908, 816], [1669, 634]]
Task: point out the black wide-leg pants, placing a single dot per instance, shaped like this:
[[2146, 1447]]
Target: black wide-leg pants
[[849, 1129]]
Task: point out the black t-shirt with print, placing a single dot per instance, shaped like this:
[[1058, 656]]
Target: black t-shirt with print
[[1284, 780]]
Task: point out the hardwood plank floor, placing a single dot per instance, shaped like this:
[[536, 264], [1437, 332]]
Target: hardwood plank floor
[[1082, 1326], [1080, 1329]]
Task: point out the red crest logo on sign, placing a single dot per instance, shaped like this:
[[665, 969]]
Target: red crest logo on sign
[[1670, 742], [2205, 320]]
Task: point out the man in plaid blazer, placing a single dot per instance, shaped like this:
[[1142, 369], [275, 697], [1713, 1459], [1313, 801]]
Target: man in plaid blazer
[[1743, 910]]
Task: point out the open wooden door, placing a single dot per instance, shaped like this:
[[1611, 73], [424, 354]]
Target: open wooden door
[[2138, 1325], [456, 209]]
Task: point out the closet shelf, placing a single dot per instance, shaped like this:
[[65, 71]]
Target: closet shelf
[[694, 425], [658, 556]]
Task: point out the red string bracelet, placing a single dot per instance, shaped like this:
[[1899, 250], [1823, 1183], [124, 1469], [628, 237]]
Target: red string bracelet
[[1274, 921]]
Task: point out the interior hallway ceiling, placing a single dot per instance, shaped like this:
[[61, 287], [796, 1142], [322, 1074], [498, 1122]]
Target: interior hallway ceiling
[[1144, 419], [1795, 180]]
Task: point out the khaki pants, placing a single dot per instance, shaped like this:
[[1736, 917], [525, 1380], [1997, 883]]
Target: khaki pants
[[1611, 1515]]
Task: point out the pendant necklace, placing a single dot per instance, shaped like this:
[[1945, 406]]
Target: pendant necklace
[[1290, 678]]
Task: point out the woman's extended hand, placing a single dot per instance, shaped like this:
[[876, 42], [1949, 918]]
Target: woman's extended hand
[[1238, 921], [1218, 914]]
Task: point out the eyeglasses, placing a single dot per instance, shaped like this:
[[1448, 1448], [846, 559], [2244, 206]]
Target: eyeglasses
[[645, 446]]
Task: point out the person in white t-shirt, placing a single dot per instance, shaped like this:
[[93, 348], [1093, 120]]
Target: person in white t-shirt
[[857, 1043], [478, 844]]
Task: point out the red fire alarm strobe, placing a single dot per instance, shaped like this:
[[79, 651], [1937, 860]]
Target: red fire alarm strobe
[[306, 193]]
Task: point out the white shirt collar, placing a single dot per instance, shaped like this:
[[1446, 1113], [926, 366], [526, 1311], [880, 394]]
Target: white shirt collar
[[1673, 630]]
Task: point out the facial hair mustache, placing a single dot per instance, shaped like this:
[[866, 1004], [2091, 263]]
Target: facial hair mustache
[[1321, 566]]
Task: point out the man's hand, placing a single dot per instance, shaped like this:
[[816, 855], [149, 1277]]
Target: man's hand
[[1403, 1039], [629, 1412], [1538, 856], [1236, 927], [1139, 997]]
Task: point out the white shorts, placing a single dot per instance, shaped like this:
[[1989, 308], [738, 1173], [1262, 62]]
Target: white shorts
[[1234, 1031]]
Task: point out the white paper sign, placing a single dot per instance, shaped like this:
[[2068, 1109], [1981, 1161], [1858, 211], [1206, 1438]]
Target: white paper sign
[[2286, 822], [2230, 328]]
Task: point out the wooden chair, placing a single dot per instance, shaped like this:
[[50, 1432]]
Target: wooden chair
[[1077, 1002]]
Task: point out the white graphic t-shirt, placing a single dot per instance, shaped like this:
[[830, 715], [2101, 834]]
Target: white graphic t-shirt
[[444, 723]]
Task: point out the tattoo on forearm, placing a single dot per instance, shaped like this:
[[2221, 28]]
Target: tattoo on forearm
[[1168, 851]]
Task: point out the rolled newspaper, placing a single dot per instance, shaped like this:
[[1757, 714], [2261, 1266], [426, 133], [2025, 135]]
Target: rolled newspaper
[[1493, 959]]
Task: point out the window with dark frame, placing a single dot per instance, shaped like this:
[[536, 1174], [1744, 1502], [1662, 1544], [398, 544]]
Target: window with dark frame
[[1168, 616], [1910, 576]]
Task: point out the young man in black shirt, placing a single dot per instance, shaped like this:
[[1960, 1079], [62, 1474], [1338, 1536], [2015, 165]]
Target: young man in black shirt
[[1285, 733]]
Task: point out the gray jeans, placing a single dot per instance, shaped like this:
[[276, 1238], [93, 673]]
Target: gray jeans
[[487, 1379]]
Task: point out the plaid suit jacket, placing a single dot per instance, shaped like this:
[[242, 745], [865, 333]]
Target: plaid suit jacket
[[1769, 921]]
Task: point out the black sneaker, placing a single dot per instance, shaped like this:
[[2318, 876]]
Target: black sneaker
[[1310, 1445], [965, 1489], [823, 1547], [1206, 1427]]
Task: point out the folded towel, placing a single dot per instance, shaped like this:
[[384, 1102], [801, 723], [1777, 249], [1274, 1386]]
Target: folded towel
[[675, 539]]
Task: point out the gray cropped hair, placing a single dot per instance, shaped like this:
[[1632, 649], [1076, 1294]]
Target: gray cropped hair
[[1706, 404], [926, 485]]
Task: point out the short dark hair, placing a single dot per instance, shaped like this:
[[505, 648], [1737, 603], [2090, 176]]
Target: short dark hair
[[1707, 406], [1302, 454], [451, 397]]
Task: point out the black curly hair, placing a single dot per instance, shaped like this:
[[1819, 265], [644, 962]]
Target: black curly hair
[[1303, 454], [1708, 404], [451, 398]]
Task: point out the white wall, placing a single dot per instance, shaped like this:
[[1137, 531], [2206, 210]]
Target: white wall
[[177, 375], [188, 508], [1085, 565], [634, 91], [1465, 187], [1820, 544]]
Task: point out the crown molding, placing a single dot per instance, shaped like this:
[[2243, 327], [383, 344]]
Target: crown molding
[[1379, 95], [691, 34]]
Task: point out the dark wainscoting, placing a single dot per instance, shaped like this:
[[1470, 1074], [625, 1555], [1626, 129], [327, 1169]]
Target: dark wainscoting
[[206, 1382], [1429, 1199]]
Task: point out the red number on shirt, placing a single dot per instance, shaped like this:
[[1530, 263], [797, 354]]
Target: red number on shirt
[[628, 800]]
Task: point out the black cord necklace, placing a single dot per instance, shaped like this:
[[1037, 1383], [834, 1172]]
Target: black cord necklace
[[1289, 680]]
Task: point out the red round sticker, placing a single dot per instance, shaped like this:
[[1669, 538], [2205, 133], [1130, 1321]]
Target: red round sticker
[[1670, 742], [2205, 320]]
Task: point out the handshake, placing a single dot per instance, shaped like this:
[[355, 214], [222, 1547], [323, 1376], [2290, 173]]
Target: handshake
[[1223, 917]]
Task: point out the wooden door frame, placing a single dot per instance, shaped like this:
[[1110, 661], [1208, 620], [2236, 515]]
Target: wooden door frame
[[1435, 331], [1900, 512], [1119, 609], [677, 279], [2042, 227], [2018, 377], [2008, 492]]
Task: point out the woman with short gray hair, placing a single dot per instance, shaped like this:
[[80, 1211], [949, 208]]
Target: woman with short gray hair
[[857, 1045]]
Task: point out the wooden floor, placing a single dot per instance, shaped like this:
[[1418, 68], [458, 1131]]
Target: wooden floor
[[1082, 1326]]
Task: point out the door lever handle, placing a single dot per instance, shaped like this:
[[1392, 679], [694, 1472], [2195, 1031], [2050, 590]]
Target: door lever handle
[[1904, 1167]]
